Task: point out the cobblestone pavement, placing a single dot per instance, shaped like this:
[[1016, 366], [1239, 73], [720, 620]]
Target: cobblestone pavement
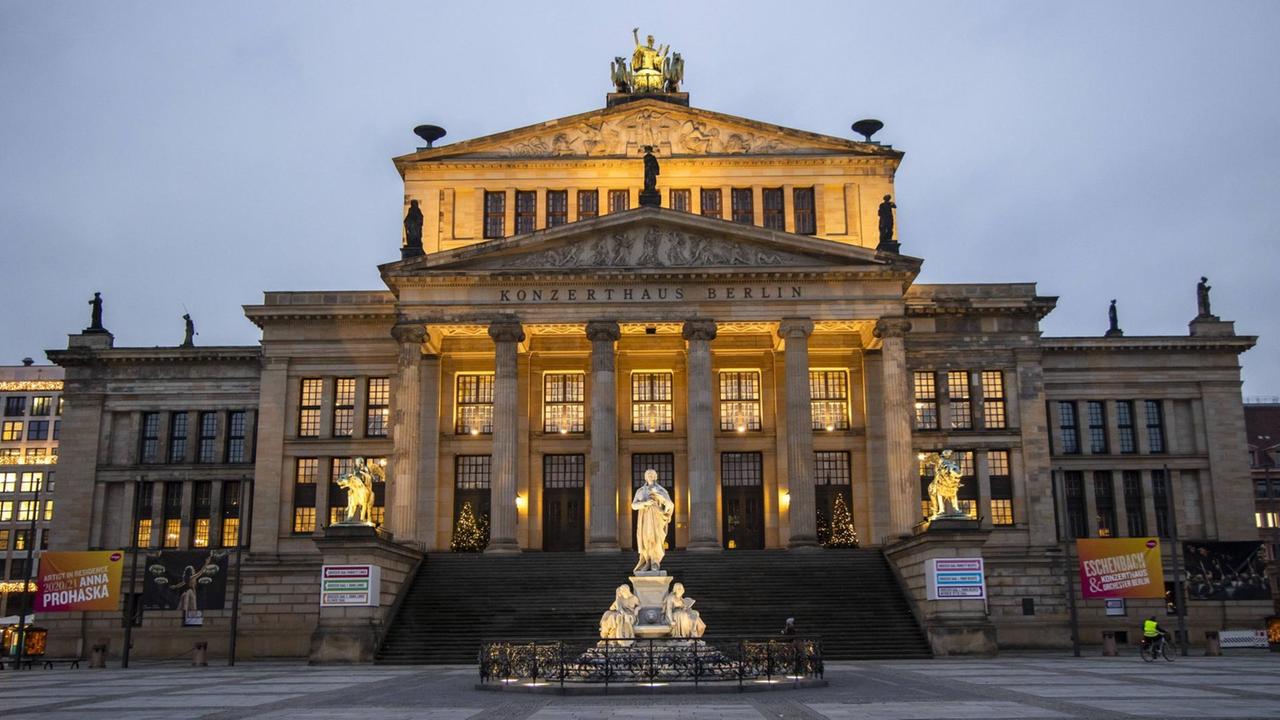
[[1033, 686]]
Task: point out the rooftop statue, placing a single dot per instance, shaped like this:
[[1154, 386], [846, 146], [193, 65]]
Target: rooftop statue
[[189, 340], [1202, 298], [653, 508], [95, 314], [647, 65]]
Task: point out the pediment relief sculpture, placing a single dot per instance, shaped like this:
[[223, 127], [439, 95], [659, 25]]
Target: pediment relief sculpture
[[673, 132]]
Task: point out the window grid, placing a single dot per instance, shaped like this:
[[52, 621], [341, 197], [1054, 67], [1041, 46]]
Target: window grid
[[557, 208], [1134, 510], [741, 469], [474, 405], [177, 437], [588, 204], [619, 200], [41, 405], [38, 430], [961, 402], [143, 535], [15, 406], [712, 206], [526, 211], [564, 471], [1160, 499], [31, 482], [200, 533], [681, 200], [12, 431], [6, 510], [926, 401], [1124, 426], [1097, 426], [829, 399], [304, 495], [495, 214], [378, 412], [208, 449], [471, 472], [309, 407], [1000, 484], [562, 402], [831, 467], [236, 430], [806, 219], [1077, 523], [344, 407], [1067, 429], [774, 211], [149, 451], [1104, 503], [1155, 426], [663, 463], [993, 400], [172, 532], [743, 206], [740, 400], [8, 482], [651, 404]]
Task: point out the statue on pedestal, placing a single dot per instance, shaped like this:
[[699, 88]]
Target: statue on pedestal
[[678, 611], [647, 65], [359, 486], [1202, 298], [886, 219], [944, 491], [653, 508], [413, 227], [95, 314], [1113, 320], [189, 340], [619, 621]]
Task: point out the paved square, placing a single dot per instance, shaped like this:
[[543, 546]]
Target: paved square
[[1013, 687]]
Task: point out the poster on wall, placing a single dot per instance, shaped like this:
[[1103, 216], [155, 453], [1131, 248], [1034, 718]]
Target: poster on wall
[[1120, 568], [190, 581], [1226, 570], [956, 579], [76, 581]]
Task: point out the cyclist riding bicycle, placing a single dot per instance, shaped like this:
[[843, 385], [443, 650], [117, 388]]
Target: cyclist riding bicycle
[[1152, 630]]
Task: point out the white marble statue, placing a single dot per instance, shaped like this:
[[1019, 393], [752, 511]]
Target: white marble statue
[[678, 611], [653, 508], [619, 621]]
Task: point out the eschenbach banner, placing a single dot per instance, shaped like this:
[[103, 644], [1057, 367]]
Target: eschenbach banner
[[78, 581], [1120, 568]]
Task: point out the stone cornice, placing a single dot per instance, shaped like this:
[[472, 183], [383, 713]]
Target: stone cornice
[[883, 166], [1150, 343], [636, 277], [177, 355]]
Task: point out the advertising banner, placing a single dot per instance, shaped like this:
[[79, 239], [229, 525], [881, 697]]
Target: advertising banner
[[350, 585], [956, 579], [1226, 570], [1120, 568], [190, 581], [76, 581]]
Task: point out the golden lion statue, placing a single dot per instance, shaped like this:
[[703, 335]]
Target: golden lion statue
[[944, 491]]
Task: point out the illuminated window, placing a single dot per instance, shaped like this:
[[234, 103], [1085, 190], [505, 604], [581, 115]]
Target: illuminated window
[[1001, 487], [651, 406], [236, 429], [557, 207], [740, 401], [1124, 427], [967, 497], [562, 402], [1104, 503], [31, 482], [6, 510], [36, 456], [338, 496], [495, 214], [149, 449], [526, 211], [1155, 426], [474, 415], [344, 407], [15, 406], [774, 213], [743, 205], [58, 406], [177, 437], [304, 495], [926, 401], [829, 399], [309, 399], [681, 200], [961, 402], [1068, 432], [48, 510], [378, 414], [20, 540], [230, 532], [41, 405], [993, 400], [208, 450], [10, 456], [200, 533], [172, 532], [712, 206], [144, 533], [8, 482], [619, 200], [4, 540], [588, 204], [26, 510], [11, 431], [806, 219], [1134, 508], [231, 514]]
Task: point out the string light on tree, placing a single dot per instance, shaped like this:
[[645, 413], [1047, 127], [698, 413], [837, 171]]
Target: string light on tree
[[843, 533], [470, 533]]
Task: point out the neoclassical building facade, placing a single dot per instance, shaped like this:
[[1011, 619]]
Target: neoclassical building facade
[[753, 338]]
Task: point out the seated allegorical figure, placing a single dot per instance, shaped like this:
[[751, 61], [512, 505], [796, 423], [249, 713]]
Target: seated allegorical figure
[[678, 610], [619, 621]]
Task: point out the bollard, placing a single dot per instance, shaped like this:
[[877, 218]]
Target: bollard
[[1212, 644], [201, 656], [1109, 644], [98, 657]]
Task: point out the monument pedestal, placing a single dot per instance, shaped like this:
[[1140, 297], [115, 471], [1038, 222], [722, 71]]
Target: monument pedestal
[[650, 590], [350, 634]]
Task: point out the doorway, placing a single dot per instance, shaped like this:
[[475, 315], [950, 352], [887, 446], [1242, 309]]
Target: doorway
[[563, 500], [742, 500]]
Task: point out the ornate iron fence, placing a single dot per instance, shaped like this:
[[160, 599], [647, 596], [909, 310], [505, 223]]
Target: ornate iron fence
[[651, 661]]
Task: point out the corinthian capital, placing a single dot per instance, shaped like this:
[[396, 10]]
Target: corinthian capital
[[409, 334], [892, 327], [603, 331], [795, 328], [506, 331], [699, 330]]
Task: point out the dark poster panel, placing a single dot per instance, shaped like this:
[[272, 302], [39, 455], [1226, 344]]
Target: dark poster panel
[[190, 581], [1226, 570]]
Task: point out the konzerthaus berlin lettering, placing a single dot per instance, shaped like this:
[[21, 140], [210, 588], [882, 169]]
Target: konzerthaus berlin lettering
[[758, 337]]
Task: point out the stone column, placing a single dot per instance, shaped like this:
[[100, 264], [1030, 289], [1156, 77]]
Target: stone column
[[406, 414], [604, 436], [795, 332], [506, 334], [900, 465], [270, 474], [701, 434]]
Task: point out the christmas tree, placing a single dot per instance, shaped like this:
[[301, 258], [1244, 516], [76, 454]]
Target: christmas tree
[[470, 533], [843, 533]]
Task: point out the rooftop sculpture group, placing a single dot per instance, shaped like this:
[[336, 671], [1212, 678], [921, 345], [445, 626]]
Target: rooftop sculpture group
[[652, 69]]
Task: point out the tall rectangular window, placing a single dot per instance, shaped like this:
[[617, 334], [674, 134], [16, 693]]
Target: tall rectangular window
[[344, 407], [564, 471], [526, 211], [200, 514], [27, 510], [993, 400], [41, 405], [207, 452], [8, 482], [149, 446], [1068, 430], [304, 495], [309, 407], [1135, 514], [378, 412], [1000, 483], [712, 205], [740, 401], [1077, 521], [967, 497], [231, 514], [557, 208], [1124, 427], [961, 402], [172, 514], [236, 433], [15, 406], [1160, 499], [829, 399], [142, 534], [681, 200], [1097, 427], [471, 489], [474, 411], [562, 402], [588, 204], [651, 405], [926, 401], [11, 431], [495, 214], [743, 206], [177, 437], [619, 200], [806, 219], [1104, 503], [1155, 426], [775, 217]]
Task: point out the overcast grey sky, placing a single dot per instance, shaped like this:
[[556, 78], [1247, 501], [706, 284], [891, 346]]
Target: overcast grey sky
[[173, 154]]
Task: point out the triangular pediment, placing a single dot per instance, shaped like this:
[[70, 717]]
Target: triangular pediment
[[653, 239], [624, 130]]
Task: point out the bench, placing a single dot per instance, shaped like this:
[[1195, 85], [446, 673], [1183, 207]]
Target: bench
[[73, 663]]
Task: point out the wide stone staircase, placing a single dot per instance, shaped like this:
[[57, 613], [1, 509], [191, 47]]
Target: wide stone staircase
[[848, 597]]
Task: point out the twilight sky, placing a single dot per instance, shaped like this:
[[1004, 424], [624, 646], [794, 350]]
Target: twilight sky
[[197, 154]]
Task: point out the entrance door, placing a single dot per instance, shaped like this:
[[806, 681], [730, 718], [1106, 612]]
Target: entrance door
[[470, 491], [665, 464], [742, 500], [831, 480], [563, 499]]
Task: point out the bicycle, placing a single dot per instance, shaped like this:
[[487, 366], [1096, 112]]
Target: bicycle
[[1158, 647]]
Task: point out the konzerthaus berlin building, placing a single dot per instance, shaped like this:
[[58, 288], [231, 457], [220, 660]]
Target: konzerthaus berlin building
[[752, 338]]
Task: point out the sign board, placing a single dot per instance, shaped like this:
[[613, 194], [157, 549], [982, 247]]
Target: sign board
[[1115, 607], [1120, 568], [956, 579], [77, 581], [350, 585], [1243, 638]]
